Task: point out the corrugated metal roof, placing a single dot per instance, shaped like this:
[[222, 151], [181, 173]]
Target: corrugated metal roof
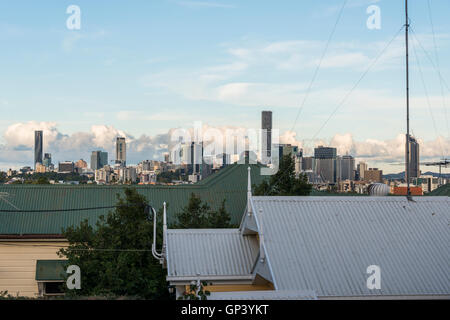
[[264, 295], [325, 244], [210, 252], [229, 183]]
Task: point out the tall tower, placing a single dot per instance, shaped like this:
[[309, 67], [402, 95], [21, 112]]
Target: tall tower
[[38, 141], [414, 168], [121, 151], [266, 137]]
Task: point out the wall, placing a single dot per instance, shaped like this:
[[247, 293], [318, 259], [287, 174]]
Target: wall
[[18, 264]]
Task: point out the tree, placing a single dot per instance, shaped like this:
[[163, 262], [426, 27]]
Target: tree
[[115, 257], [197, 214], [284, 182]]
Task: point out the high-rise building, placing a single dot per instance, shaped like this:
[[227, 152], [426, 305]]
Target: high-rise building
[[266, 136], [38, 142], [66, 167], [121, 151], [373, 175], [322, 152], [362, 167], [346, 168], [47, 162], [99, 159], [414, 166], [325, 162]]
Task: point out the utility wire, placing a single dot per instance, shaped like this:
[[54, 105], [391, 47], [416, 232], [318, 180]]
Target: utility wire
[[67, 210], [428, 100], [320, 64], [438, 66], [316, 71], [75, 249], [357, 83], [429, 58]]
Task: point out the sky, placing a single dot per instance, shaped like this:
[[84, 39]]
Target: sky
[[140, 68]]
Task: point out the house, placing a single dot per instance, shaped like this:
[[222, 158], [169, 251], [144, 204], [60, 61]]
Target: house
[[319, 248], [29, 240]]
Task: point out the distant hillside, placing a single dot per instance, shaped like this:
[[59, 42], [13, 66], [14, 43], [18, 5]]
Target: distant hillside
[[401, 175]]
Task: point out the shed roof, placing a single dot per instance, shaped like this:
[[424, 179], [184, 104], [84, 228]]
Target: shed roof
[[229, 183], [325, 244]]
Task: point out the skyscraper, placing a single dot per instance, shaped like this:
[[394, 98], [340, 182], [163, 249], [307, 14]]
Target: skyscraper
[[325, 162], [98, 159], [121, 151], [347, 167], [266, 136], [362, 167], [414, 167], [38, 141]]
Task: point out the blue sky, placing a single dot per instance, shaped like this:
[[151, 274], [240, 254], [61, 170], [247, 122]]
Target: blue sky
[[140, 68]]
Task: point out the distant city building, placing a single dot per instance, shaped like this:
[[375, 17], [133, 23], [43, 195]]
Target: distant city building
[[325, 161], [326, 169], [102, 176], [166, 157], [81, 164], [362, 167], [373, 175], [66, 167], [266, 137], [347, 168], [38, 145], [121, 151], [308, 163], [40, 168], [322, 152], [414, 158], [47, 160], [127, 175], [99, 159]]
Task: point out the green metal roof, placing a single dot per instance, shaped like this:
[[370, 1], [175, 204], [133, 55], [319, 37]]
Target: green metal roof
[[229, 183], [441, 191], [50, 270]]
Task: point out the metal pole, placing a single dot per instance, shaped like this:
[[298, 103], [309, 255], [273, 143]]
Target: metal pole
[[408, 194]]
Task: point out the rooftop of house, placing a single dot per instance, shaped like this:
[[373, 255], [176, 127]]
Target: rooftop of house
[[324, 245], [228, 183]]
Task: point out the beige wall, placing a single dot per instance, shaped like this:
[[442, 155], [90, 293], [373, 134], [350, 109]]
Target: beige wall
[[18, 264]]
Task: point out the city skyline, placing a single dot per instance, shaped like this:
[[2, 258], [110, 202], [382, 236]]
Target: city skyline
[[86, 87]]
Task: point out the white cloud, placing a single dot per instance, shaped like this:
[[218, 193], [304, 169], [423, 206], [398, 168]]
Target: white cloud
[[19, 143]]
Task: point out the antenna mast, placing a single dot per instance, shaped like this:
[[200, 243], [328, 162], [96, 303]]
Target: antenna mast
[[408, 192]]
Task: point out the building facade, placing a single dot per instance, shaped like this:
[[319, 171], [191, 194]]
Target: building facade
[[38, 146]]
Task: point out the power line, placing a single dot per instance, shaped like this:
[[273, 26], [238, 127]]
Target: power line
[[320, 63], [428, 100], [429, 58], [316, 72], [357, 83], [75, 249], [72, 209], [438, 66]]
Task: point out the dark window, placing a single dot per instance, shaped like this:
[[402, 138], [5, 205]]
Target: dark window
[[54, 287]]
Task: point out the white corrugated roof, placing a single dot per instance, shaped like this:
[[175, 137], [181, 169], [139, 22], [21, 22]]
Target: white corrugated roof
[[264, 295], [325, 244], [206, 253]]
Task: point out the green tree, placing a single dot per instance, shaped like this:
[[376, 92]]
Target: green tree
[[198, 214], [42, 180], [284, 182], [115, 257]]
